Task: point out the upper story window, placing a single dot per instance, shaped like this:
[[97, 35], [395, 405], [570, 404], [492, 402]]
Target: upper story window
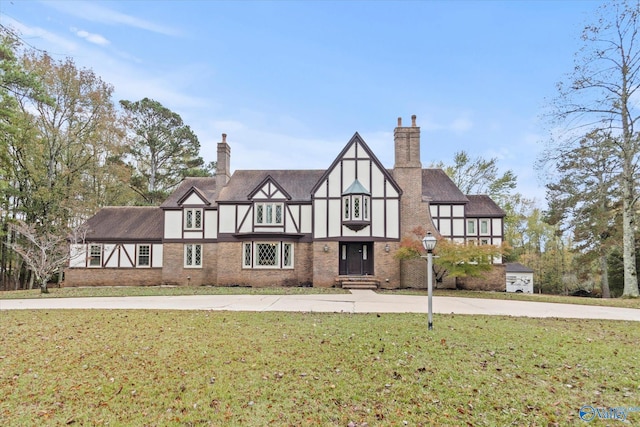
[[484, 226], [471, 226], [268, 213], [356, 206], [193, 219]]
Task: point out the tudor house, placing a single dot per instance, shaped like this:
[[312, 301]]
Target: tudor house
[[334, 227]]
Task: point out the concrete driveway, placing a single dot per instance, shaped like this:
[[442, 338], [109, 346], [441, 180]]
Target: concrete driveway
[[358, 301]]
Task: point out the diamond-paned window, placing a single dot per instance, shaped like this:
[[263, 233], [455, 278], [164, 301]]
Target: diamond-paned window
[[287, 255], [193, 219], [259, 214], [356, 207], [246, 257], [267, 254], [268, 214], [356, 202], [192, 255], [278, 214]]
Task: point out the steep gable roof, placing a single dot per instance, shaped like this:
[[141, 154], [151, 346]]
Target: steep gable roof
[[356, 138], [481, 205], [205, 187], [296, 183], [269, 188], [437, 187], [122, 223], [193, 190]]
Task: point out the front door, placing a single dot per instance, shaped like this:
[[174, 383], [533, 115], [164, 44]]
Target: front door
[[356, 259]]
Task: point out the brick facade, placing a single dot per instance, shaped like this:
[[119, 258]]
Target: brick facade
[[231, 272], [112, 276], [315, 262]]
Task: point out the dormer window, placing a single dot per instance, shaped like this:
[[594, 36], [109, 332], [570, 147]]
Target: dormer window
[[356, 203], [193, 219]]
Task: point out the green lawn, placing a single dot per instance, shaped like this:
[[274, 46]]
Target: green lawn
[[130, 291], [198, 368]]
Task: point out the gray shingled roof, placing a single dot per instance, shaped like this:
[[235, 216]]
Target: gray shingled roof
[[482, 205], [439, 188], [516, 267], [205, 185], [297, 183], [140, 223]]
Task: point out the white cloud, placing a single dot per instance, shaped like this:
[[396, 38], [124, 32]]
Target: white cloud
[[98, 13], [35, 36], [90, 37]]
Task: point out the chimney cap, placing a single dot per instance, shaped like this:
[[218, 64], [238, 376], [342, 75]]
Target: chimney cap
[[413, 120], [224, 137], [399, 122]]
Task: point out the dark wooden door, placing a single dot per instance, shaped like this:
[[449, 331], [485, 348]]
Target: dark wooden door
[[356, 259]]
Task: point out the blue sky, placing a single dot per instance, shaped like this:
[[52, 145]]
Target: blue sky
[[290, 82]]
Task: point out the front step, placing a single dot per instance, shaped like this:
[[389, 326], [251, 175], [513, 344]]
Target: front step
[[358, 282]]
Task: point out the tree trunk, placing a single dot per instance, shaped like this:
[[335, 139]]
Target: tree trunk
[[604, 283], [628, 233], [43, 287]]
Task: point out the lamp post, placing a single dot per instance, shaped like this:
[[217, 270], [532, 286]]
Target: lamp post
[[429, 243]]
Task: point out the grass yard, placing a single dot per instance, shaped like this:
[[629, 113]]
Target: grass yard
[[177, 368], [140, 291], [513, 296]]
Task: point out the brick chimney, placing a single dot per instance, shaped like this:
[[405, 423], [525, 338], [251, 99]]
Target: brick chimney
[[223, 165], [407, 145], [414, 211]]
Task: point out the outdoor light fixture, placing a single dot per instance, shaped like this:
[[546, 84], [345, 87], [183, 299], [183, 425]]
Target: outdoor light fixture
[[429, 243], [387, 248], [326, 248]]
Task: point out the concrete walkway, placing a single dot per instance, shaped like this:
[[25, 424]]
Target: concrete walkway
[[358, 301]]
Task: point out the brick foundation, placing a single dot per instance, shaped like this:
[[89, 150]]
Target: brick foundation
[[174, 272], [112, 277], [231, 272]]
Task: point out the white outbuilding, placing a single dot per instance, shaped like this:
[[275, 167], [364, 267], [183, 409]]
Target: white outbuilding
[[519, 278]]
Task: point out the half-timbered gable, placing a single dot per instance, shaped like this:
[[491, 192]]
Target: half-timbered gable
[[356, 198], [272, 202], [190, 212]]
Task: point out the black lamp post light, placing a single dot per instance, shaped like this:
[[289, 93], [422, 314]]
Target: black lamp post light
[[429, 242]]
